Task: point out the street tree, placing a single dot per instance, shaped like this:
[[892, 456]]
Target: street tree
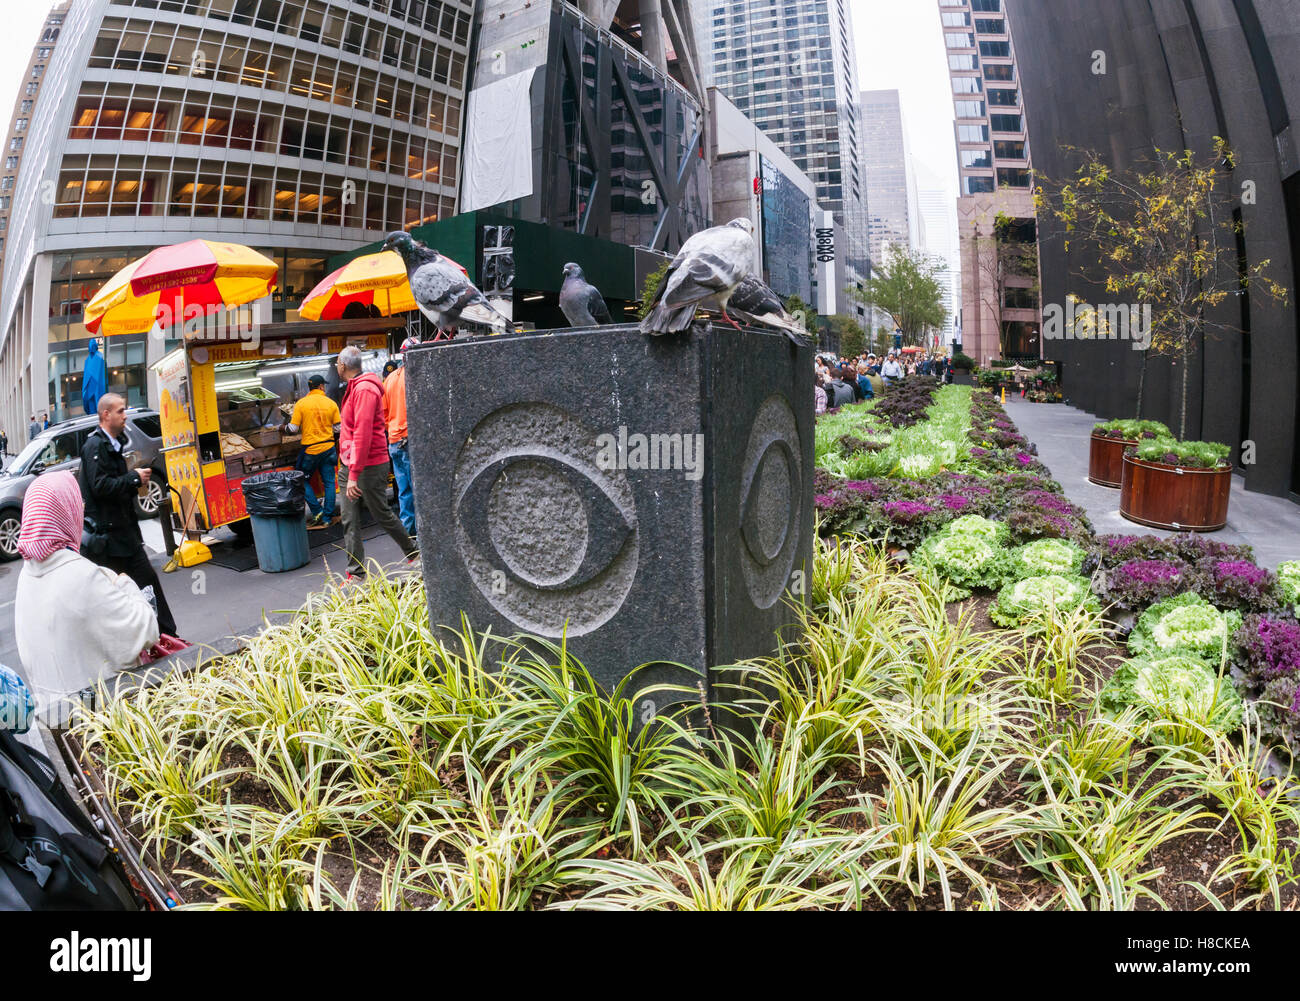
[[1163, 233], [906, 288]]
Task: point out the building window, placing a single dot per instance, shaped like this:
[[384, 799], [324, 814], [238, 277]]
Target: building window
[[967, 62], [1006, 149], [37, 70], [1008, 97], [972, 133], [970, 109], [990, 26], [26, 107], [1006, 123], [4, 203], [956, 20], [1000, 71], [958, 40], [42, 53], [1013, 177], [976, 158], [996, 49], [32, 88], [976, 185], [967, 85], [986, 6], [11, 163], [7, 183], [20, 125], [16, 144]]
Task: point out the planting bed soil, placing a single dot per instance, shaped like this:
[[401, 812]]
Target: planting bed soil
[[1173, 497]]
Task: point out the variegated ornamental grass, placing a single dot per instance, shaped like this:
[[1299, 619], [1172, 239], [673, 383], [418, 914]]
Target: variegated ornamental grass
[[895, 755]]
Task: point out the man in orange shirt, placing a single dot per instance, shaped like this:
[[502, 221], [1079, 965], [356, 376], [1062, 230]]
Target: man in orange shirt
[[394, 401], [316, 415]]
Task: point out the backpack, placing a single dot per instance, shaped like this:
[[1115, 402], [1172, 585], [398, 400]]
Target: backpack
[[51, 857]]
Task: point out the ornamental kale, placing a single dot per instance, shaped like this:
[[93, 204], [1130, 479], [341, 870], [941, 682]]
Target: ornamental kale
[[1029, 601], [1138, 583], [965, 559], [1131, 430], [1185, 624], [1043, 557], [1268, 655], [1174, 688], [1288, 585], [1242, 585], [1187, 454]]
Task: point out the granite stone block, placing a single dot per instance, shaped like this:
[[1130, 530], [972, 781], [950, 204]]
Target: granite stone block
[[646, 499]]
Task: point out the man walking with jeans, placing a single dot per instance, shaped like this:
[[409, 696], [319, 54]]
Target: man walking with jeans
[[316, 415], [395, 418], [364, 453]]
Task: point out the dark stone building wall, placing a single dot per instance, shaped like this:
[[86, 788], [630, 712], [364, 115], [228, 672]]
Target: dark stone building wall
[[1179, 73]]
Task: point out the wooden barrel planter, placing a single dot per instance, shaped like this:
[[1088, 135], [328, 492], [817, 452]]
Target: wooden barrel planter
[[1106, 460], [1173, 497]]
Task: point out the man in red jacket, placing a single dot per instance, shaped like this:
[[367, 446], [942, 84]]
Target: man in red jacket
[[363, 454]]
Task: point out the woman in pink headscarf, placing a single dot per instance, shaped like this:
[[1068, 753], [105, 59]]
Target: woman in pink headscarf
[[76, 623]]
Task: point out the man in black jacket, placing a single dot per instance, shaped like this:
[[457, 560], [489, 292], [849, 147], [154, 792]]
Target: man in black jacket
[[107, 487]]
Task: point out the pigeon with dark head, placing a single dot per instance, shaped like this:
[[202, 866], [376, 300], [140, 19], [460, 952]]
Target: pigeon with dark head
[[703, 275], [580, 301], [441, 289], [755, 302]]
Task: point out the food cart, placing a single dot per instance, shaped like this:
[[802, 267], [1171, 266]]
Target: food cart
[[225, 404]]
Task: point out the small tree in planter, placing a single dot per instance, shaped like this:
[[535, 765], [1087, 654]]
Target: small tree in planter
[[1165, 234]]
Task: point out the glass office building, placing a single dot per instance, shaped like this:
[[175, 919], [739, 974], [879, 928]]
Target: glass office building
[[791, 67], [299, 128]]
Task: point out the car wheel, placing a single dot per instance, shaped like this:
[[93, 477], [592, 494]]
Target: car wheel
[[11, 523], [148, 505]]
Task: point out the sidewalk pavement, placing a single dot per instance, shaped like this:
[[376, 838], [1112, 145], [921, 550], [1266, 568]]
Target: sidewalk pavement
[[1270, 524], [214, 605]]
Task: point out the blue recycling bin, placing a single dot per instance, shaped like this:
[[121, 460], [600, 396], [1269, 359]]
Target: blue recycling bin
[[276, 505]]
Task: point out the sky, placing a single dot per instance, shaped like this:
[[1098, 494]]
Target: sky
[[900, 47], [22, 29]]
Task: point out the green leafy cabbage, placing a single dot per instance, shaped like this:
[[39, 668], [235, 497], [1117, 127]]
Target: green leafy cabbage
[[1028, 601], [1185, 624]]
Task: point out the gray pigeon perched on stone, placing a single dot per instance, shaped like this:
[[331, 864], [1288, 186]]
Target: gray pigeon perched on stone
[[755, 302], [441, 289], [580, 301], [703, 275]]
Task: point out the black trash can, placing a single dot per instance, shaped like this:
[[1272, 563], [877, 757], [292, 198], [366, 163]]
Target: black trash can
[[277, 504]]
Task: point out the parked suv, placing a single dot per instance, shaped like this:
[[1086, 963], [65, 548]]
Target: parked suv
[[59, 447]]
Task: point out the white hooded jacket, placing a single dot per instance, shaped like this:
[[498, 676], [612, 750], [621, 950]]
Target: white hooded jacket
[[77, 623]]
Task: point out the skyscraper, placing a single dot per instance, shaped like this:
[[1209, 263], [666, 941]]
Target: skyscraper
[[791, 67], [938, 212], [890, 212], [1000, 314]]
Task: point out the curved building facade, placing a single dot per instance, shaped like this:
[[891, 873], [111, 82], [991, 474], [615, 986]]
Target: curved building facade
[[299, 128], [1174, 76]]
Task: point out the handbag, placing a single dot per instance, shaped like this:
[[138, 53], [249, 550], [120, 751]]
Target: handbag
[[165, 647], [93, 541]]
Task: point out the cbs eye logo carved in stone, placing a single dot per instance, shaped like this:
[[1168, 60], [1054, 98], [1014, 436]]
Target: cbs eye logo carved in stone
[[548, 537]]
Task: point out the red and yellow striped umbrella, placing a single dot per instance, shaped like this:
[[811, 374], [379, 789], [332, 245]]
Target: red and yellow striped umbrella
[[377, 280], [172, 284]]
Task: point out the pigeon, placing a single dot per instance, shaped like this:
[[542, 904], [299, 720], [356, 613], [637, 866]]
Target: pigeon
[[704, 274], [580, 301], [441, 289], [755, 302]]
